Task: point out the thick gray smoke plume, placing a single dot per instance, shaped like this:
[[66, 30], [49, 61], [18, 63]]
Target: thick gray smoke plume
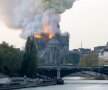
[[31, 16]]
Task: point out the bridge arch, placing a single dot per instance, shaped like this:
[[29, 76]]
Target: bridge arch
[[52, 72]]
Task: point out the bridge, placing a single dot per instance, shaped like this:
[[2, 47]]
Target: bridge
[[64, 70]]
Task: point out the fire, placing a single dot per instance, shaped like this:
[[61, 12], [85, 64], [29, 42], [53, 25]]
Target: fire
[[49, 33], [37, 36], [46, 31]]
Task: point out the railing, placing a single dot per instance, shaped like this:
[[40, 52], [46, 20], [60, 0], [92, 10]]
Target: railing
[[71, 67]]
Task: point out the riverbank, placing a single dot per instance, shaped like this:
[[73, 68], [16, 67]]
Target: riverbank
[[73, 85], [27, 85]]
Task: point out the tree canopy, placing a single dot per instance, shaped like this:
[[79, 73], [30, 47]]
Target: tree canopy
[[89, 60], [71, 58], [10, 59], [30, 58]]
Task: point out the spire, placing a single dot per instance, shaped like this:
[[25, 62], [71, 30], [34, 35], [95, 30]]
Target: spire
[[81, 44]]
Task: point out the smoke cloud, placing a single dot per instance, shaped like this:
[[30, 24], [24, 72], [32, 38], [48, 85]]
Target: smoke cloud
[[31, 16]]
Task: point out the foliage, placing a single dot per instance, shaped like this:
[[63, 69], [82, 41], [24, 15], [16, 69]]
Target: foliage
[[89, 60], [10, 59], [71, 58], [29, 59]]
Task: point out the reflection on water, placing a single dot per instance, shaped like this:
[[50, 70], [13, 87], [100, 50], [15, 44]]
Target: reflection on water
[[74, 78], [81, 80], [72, 84]]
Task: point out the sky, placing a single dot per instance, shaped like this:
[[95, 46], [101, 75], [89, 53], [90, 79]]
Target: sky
[[86, 22]]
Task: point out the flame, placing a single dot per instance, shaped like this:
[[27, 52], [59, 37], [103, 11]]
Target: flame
[[37, 36], [49, 33], [46, 30]]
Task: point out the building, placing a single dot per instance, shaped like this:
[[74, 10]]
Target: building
[[51, 49], [75, 51], [82, 51], [103, 56], [99, 49]]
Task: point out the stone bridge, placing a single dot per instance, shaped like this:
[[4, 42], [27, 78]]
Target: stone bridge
[[61, 71]]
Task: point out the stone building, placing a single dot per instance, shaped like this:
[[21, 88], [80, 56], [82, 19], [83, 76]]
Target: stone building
[[103, 56], [51, 50], [82, 51]]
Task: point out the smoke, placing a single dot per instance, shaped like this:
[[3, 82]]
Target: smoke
[[31, 16]]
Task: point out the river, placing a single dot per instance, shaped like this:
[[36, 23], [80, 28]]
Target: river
[[76, 84]]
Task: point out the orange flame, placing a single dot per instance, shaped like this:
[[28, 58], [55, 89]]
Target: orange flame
[[46, 30], [49, 33], [37, 36]]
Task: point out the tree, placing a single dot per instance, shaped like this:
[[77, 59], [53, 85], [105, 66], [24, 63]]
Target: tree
[[89, 60], [71, 58], [1, 64], [29, 59], [10, 59]]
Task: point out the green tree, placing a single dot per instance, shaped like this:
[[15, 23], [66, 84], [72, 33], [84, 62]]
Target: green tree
[[10, 59], [1, 64], [71, 58], [89, 60], [29, 59]]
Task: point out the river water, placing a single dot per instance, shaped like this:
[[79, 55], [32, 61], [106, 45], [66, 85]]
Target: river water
[[76, 84]]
